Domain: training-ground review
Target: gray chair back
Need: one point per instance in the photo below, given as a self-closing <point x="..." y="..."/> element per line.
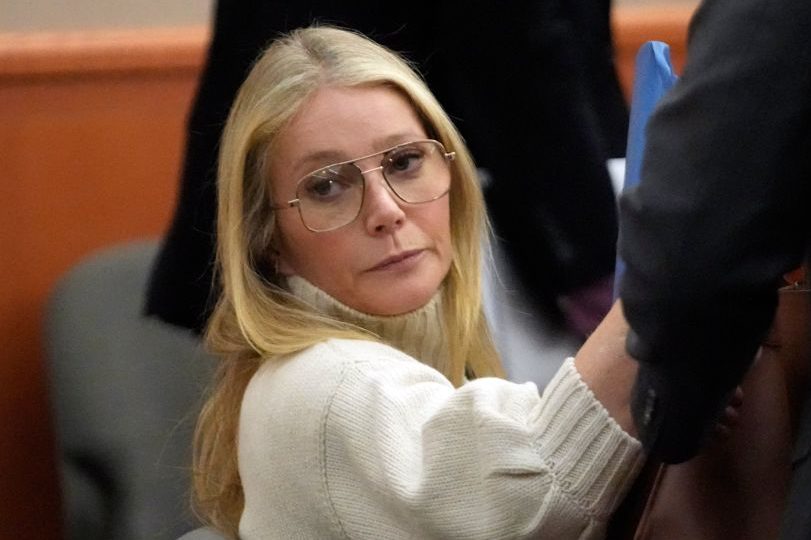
<point x="125" y="392"/>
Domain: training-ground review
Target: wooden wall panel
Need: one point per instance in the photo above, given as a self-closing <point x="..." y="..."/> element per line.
<point x="91" y="137"/>
<point x="91" y="134"/>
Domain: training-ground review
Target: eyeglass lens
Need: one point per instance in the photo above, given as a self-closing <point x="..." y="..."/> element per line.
<point x="333" y="196"/>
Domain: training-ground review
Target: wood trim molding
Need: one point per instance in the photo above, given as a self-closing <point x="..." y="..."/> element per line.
<point x="55" y="54"/>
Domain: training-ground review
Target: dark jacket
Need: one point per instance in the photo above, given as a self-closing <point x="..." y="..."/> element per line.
<point x="719" y="215"/>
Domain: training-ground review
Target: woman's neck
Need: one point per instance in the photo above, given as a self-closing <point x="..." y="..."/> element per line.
<point x="419" y="333"/>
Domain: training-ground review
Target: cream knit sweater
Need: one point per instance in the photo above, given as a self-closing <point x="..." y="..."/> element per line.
<point x="357" y="439"/>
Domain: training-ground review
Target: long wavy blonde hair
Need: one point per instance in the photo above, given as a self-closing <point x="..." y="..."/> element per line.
<point x="255" y="319"/>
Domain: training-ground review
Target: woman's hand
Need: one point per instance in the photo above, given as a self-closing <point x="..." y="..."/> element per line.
<point x="731" y="417"/>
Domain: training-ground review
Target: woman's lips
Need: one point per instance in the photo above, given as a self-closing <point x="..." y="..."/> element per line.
<point x="400" y="260"/>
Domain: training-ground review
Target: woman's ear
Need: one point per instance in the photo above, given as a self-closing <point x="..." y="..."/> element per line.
<point x="283" y="267"/>
<point x="276" y="255"/>
<point x="280" y="265"/>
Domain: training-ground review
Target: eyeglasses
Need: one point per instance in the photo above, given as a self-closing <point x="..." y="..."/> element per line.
<point x="332" y="196"/>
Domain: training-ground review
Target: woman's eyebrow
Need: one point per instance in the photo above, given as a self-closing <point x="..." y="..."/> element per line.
<point x="398" y="138"/>
<point x="320" y="158"/>
<point x="323" y="158"/>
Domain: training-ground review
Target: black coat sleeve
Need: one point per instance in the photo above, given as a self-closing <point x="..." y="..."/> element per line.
<point x="718" y="215"/>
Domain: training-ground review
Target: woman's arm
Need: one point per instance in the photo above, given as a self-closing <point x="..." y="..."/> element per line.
<point x="385" y="442"/>
<point x="607" y="369"/>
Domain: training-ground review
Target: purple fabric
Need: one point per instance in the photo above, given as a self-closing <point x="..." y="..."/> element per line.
<point x="584" y="308"/>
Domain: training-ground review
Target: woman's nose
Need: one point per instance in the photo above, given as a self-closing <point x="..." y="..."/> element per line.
<point x="382" y="211"/>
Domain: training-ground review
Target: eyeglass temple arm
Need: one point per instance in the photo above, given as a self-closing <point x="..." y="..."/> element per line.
<point x="286" y="206"/>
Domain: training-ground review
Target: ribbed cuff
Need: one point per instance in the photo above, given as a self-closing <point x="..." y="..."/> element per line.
<point x="592" y="459"/>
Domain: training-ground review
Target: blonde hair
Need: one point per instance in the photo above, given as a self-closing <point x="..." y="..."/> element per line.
<point x="255" y="318"/>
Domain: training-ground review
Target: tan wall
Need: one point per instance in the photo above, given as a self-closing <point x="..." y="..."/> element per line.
<point x="91" y="136"/>
<point x="50" y="15"/>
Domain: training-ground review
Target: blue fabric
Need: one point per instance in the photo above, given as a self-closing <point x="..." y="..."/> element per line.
<point x="653" y="77"/>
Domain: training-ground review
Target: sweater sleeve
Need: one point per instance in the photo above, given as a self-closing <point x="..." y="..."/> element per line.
<point x="407" y="455"/>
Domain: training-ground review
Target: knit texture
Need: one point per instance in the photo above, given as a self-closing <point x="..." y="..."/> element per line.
<point x="355" y="439"/>
<point x="418" y="333"/>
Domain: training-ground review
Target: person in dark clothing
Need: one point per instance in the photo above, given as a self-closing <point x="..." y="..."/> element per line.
<point x="554" y="113"/>
<point x="720" y="214"/>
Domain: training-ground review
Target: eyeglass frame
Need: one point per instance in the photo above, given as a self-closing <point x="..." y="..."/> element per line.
<point x="296" y="203"/>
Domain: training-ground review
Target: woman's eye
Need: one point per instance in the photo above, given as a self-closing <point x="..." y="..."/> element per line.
<point x="407" y="160"/>
<point x="325" y="185"/>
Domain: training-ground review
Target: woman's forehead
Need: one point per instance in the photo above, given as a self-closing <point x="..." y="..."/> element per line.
<point x="342" y="123"/>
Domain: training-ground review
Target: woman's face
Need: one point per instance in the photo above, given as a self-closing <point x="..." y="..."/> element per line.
<point x="393" y="257"/>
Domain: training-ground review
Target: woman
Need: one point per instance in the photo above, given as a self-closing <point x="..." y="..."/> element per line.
<point x="350" y="226"/>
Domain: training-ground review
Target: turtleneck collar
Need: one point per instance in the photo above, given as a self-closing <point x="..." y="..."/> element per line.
<point x="418" y="333"/>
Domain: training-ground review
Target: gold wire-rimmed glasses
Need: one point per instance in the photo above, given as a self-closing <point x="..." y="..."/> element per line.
<point x="332" y="196"/>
